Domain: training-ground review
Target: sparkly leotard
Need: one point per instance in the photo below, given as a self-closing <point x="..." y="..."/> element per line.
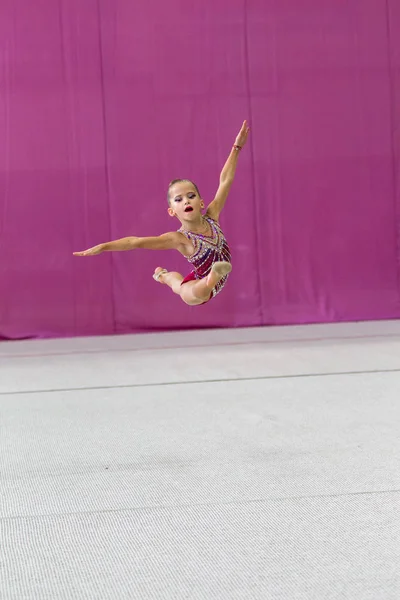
<point x="207" y="251"/>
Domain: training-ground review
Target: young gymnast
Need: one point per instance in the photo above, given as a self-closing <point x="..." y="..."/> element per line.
<point x="200" y="238"/>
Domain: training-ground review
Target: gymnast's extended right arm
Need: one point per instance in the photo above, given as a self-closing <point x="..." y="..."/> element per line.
<point x="167" y="241"/>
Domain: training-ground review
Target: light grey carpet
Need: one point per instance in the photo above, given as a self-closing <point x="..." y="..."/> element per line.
<point x="282" y="481"/>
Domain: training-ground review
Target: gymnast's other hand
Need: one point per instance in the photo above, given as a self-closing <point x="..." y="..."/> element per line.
<point x="241" y="137"/>
<point x="91" y="251"/>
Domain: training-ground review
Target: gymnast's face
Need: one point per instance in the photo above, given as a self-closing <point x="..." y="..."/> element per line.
<point x="184" y="201"/>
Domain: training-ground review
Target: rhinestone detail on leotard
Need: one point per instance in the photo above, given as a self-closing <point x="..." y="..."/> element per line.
<point x="207" y="251"/>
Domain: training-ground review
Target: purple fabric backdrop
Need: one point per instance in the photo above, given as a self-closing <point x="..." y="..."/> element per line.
<point x="103" y="102"/>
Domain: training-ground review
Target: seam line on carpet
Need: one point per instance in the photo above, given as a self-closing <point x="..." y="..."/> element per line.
<point x="199" y="381"/>
<point x="201" y="504"/>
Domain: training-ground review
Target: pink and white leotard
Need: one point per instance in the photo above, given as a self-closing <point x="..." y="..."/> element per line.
<point x="207" y="251"/>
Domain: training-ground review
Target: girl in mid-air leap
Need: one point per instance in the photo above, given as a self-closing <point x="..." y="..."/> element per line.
<point x="200" y="238"/>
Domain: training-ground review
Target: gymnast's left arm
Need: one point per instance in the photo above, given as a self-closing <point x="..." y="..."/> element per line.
<point x="228" y="174"/>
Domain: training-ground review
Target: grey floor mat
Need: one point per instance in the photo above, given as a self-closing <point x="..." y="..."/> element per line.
<point x="246" y="488"/>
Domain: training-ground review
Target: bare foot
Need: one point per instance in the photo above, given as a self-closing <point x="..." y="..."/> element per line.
<point x="158" y="274"/>
<point x="218" y="271"/>
<point x="222" y="268"/>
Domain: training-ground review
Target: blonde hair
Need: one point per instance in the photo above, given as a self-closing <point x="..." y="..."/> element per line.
<point x="174" y="181"/>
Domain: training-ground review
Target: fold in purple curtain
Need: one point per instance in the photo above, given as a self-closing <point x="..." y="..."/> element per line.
<point x="103" y="102"/>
